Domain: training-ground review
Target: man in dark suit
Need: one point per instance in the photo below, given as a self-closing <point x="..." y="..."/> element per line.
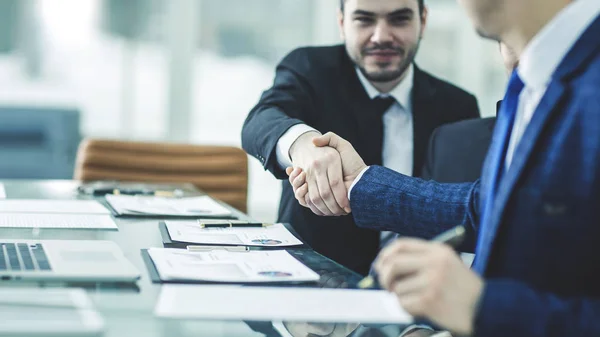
<point x="535" y="210"/>
<point x="370" y="92"/>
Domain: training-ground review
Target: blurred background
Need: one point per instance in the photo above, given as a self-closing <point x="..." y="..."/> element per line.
<point x="178" y="70"/>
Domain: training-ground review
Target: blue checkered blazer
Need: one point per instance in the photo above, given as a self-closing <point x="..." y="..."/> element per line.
<point x="542" y="257"/>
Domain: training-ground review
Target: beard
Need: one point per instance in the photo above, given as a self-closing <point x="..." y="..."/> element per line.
<point x="390" y="74"/>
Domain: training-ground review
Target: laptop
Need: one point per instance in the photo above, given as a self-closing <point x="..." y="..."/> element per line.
<point x="64" y="260"/>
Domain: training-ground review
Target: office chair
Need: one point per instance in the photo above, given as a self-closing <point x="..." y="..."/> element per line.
<point x="38" y="142"/>
<point x="220" y="171"/>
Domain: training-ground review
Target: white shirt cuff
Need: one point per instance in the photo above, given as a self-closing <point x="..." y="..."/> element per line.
<point x="285" y="143"/>
<point x="356" y="180"/>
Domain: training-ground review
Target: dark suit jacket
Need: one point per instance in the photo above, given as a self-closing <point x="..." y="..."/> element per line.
<point x="540" y="255"/>
<point x="319" y="86"/>
<point x="456" y="151"/>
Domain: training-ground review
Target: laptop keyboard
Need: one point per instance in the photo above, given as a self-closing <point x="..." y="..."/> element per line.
<point x="23" y="257"/>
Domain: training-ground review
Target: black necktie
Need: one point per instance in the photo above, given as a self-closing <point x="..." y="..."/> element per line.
<point x="382" y="104"/>
<point x="379" y="106"/>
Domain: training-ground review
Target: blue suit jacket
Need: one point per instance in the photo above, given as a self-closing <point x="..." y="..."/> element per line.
<point x="542" y="259"/>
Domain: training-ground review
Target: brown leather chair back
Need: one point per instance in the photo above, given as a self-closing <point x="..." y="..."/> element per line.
<point x="220" y="171"/>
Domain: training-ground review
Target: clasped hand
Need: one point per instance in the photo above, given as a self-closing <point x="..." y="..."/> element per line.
<point x="322" y="185"/>
<point x="429" y="278"/>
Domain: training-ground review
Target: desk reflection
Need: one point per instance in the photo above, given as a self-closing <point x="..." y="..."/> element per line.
<point x="335" y="280"/>
<point x="320" y="329"/>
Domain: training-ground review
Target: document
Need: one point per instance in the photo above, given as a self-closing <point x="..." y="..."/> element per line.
<point x="316" y="305"/>
<point x="272" y="236"/>
<point x="48" y="312"/>
<point x="203" y="206"/>
<point x="52" y="206"/>
<point x="220" y="265"/>
<point x="34" y="220"/>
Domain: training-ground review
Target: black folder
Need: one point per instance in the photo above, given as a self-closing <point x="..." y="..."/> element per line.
<point x="169" y="243"/>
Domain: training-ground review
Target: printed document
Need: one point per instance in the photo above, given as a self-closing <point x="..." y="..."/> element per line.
<point x="203" y="206"/>
<point x="317" y="305"/>
<point x="272" y="236"/>
<point x="76" y="221"/>
<point x="52" y="206"/>
<point x="220" y="265"/>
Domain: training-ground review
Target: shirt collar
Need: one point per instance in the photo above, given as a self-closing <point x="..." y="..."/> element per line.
<point x="401" y="93"/>
<point x="543" y="54"/>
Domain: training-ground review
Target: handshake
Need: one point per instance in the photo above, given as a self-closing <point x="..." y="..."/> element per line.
<point x="325" y="167"/>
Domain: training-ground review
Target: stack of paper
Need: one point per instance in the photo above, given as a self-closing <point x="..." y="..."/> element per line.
<point x="231" y="267"/>
<point x="203" y="206"/>
<point x="25" y="213"/>
<point x="219" y="302"/>
<point x="272" y="236"/>
<point x="52" y="206"/>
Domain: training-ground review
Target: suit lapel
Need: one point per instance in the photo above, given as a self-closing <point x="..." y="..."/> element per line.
<point x="528" y="142"/>
<point x="549" y="105"/>
<point x="424" y="117"/>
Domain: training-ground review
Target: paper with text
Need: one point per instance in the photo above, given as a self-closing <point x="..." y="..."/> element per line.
<point x="227" y="302"/>
<point x="224" y="266"/>
<point x="150" y="205"/>
<point x="271" y="236"/>
<point x="75" y="221"/>
<point x="52" y="206"/>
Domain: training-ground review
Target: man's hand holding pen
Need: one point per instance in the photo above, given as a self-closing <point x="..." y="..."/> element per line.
<point x="429" y="278"/>
<point x="431" y="281"/>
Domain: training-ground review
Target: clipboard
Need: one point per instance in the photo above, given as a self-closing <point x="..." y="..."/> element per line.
<point x="171" y="217"/>
<point x="155" y="277"/>
<point x="169" y="243"/>
<point x="333" y="275"/>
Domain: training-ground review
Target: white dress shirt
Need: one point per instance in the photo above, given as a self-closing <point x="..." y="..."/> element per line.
<point x="398" y="143"/>
<point x="541" y="58"/>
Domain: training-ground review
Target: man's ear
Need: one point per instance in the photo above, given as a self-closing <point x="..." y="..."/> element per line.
<point x="340" y="21"/>
<point x="423" y="21"/>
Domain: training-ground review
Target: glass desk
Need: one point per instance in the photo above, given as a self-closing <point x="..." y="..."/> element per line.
<point x="128" y="309"/>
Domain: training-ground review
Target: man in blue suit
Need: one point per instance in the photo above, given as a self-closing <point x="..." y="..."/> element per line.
<point x="535" y="213"/>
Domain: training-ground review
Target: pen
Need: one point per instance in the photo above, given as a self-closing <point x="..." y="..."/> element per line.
<point x="453" y="237"/>
<point x="229" y="224"/>
<point x="167" y="194"/>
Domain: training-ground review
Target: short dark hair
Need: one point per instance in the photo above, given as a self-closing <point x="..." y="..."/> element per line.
<point x="421" y="5"/>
